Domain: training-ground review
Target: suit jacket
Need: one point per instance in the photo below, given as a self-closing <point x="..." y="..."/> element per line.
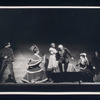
<point x="66" y="54"/>
<point x="7" y="52"/>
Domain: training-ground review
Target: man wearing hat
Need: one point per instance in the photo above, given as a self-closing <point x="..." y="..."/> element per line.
<point x="62" y="56"/>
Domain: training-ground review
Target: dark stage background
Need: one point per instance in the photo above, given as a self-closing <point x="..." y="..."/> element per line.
<point x="69" y="26"/>
<point x="76" y="29"/>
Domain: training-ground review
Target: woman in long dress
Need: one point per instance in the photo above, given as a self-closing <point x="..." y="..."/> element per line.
<point x="52" y="66"/>
<point x="35" y="72"/>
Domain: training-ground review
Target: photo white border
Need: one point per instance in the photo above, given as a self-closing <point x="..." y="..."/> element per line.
<point x="43" y="7"/>
<point x="49" y="93"/>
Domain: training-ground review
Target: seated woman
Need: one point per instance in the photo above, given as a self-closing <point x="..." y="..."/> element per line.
<point x="83" y="64"/>
<point x="35" y="72"/>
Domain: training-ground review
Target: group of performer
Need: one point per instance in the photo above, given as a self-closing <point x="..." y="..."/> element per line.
<point x="59" y="58"/>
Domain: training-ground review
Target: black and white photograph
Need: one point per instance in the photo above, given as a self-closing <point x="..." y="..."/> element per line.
<point x="46" y="48"/>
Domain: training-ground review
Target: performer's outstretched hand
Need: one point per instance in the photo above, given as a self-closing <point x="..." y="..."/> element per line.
<point x="94" y="67"/>
<point x="72" y="58"/>
<point x="6" y="57"/>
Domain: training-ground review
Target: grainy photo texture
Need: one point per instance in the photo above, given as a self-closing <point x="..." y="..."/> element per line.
<point x="49" y="46"/>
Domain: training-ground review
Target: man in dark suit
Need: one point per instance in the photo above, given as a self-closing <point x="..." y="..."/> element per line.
<point x="8" y="58"/>
<point x="62" y="56"/>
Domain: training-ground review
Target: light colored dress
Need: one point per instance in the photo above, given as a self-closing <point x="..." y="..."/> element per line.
<point x="35" y="73"/>
<point x="71" y="68"/>
<point x="53" y="64"/>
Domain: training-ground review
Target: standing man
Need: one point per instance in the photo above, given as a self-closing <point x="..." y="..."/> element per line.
<point x="96" y="63"/>
<point x="8" y="58"/>
<point x="96" y="66"/>
<point x="62" y="56"/>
